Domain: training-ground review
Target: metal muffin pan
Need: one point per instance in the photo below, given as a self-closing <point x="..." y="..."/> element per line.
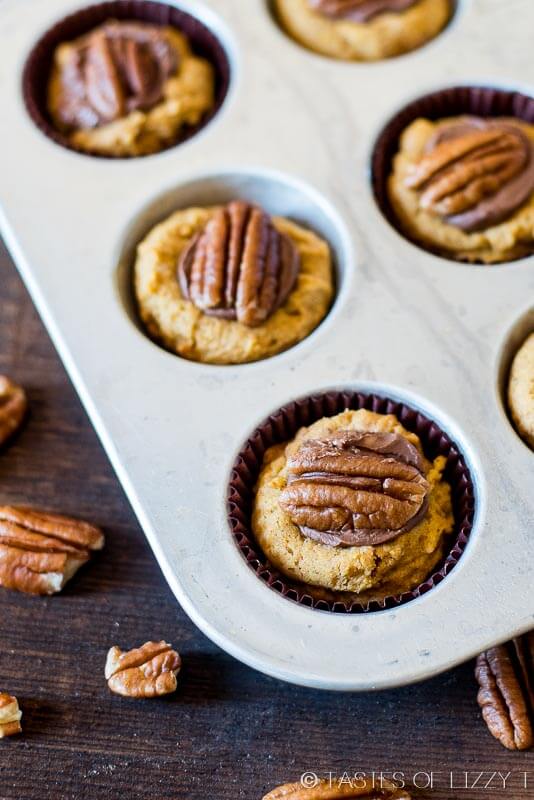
<point x="296" y="132"/>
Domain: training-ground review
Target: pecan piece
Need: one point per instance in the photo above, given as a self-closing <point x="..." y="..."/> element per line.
<point x="355" y="488"/>
<point x="333" y="789"/>
<point x="13" y="407"/>
<point x="358" y="10"/>
<point x="41" y="551"/>
<point x="239" y="266"/>
<point x="475" y="172"/>
<point x="506" y="695"/>
<point x="10" y="715"/>
<point x="147" y="671"/>
<point x="114" y="69"/>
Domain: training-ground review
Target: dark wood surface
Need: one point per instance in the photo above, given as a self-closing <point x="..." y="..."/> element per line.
<point x="228" y="732"/>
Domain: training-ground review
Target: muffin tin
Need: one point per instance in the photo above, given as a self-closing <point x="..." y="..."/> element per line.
<point x="295" y="133"/>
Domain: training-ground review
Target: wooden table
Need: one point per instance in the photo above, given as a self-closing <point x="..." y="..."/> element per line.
<point x="228" y="732"/>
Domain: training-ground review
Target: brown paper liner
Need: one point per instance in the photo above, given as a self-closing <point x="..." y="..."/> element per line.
<point x="475" y="100"/>
<point x="38" y="66"/>
<point x="282" y="427"/>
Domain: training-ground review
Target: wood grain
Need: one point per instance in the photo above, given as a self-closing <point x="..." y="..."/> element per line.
<point x="228" y="732"/>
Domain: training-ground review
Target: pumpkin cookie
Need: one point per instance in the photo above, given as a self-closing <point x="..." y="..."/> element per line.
<point x="351" y="504"/>
<point x="128" y="88"/>
<point x="362" y="30"/>
<point x="464" y="187"/>
<point x="229" y="285"/>
<point x="521" y="391"/>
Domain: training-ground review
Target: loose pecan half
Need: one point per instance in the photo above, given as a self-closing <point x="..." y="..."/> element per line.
<point x="40" y="551"/>
<point x="114" y="69"/>
<point x="239" y="266"/>
<point x="13" y="407"/>
<point x="355" y="488"/>
<point x="332" y="789"/>
<point x="10" y="715"/>
<point x="358" y="10"/>
<point x="475" y="172"/>
<point x="148" y="671"/>
<point x="506" y="695"/>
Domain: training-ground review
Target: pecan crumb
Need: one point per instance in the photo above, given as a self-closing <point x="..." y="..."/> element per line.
<point x="41" y="551"/>
<point x="13" y="407"/>
<point x="10" y="715"/>
<point x="147" y="671"/>
<point x="506" y="695"/>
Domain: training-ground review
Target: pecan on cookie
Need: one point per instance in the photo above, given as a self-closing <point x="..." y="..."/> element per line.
<point x="240" y="266"/>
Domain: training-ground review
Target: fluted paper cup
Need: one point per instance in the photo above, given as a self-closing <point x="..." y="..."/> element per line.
<point x="282" y="427"/>
<point x="480" y="101"/>
<point x="36" y="73"/>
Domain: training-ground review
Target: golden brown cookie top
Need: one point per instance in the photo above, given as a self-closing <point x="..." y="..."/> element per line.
<point x="475" y="172"/>
<point x="117" y="68"/>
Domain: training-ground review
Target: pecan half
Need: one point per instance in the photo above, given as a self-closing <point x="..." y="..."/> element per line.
<point x="40" y="551"/>
<point x="358" y="10"/>
<point x="475" y="172"/>
<point x="13" y="407"/>
<point x="148" y="671"/>
<point x="115" y="69"/>
<point x="506" y="696"/>
<point x="355" y="488"/>
<point x="332" y="789"/>
<point x="240" y="266"/>
<point x="10" y="715"/>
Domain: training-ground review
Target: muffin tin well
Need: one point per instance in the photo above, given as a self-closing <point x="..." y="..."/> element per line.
<point x="406" y="325"/>
<point x="277" y="193"/>
<point x="515" y="338"/>
<point x="38" y="66"/>
<point x="281" y="427"/>
<point x="452" y="101"/>
<point x="455" y="5"/>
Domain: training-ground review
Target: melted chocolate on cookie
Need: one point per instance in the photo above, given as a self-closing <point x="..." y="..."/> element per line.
<point x="475" y="172"/>
<point x="115" y="69"/>
<point x="359" y="10"/>
<point x="355" y="488"/>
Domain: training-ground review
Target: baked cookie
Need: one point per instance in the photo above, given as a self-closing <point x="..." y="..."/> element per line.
<point x="229" y="285"/>
<point x="464" y="187"/>
<point x="362" y="30"/>
<point x="521" y="391"/>
<point x="128" y="88"/>
<point x="352" y="505"/>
